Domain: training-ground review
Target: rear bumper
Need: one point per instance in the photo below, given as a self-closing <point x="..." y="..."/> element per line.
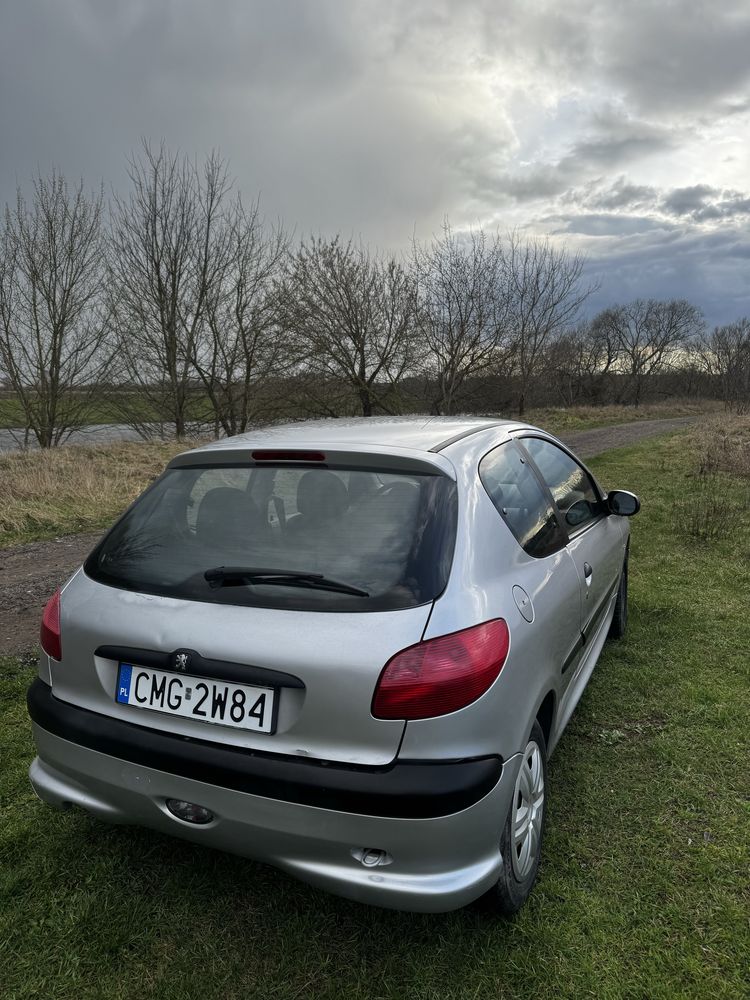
<point x="434" y="862"/>
<point x="403" y="789"/>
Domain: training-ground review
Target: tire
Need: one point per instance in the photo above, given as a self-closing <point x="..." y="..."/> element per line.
<point x="521" y="855"/>
<point x="620" y="617"/>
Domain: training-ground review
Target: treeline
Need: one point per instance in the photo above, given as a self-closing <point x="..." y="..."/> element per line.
<point x="181" y="307"/>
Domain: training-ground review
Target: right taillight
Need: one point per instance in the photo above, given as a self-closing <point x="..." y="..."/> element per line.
<point x="442" y="675"/>
<point x="49" y="634"/>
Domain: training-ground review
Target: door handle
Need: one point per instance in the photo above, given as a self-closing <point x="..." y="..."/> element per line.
<point x="588" y="572"/>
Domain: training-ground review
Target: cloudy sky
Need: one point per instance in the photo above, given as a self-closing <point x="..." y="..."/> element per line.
<point x="622" y="128"/>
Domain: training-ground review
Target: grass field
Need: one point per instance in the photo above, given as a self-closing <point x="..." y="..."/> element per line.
<point x="644" y="889"/>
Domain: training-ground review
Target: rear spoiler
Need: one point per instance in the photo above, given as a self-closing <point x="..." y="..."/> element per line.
<point x="366" y="457"/>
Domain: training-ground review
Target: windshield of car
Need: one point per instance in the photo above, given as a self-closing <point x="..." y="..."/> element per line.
<point x="384" y="539"/>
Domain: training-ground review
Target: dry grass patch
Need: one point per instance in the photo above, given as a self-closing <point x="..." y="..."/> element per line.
<point x="718" y="501"/>
<point x="724" y="445"/>
<point x="72" y="489"/>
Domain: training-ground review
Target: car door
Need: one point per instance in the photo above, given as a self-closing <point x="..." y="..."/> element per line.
<point x="595" y="540"/>
<point x="547" y="578"/>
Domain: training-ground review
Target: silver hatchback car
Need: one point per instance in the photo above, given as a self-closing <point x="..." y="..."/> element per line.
<point x="345" y="648"/>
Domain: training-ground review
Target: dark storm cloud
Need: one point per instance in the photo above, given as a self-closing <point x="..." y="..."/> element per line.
<point x="622" y="194"/>
<point x="660" y="243"/>
<point x="625" y="207"/>
<point x="684" y="201"/>
<point x="704" y="203"/>
<point x="710" y="269"/>
<point x="678" y="56"/>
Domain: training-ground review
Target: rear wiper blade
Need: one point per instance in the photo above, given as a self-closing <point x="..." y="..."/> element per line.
<point x="222" y="576"/>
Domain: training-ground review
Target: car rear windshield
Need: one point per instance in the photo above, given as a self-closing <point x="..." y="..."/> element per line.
<point x="387" y="534"/>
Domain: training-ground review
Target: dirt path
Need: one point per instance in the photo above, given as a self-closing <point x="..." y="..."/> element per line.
<point x="30" y="573"/>
<point x="594" y="442"/>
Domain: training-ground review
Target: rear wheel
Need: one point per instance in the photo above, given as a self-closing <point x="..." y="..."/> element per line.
<point x="620" y="617"/>
<point x="521" y="840"/>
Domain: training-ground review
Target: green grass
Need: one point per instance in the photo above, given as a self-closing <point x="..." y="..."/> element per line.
<point x="11" y="412"/>
<point x="98" y="411"/>
<point x="644" y="889"/>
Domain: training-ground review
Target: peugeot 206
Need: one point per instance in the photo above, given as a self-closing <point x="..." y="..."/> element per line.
<point x="346" y="648"/>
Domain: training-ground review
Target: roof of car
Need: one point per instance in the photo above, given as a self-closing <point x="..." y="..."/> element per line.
<point x="419" y="433"/>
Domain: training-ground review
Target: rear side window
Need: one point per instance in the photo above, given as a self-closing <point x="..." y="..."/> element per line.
<point x="568" y="482"/>
<point x="523" y="504"/>
<point x="388" y="534"/>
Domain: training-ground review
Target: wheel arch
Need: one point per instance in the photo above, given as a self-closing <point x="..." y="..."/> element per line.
<point x="545" y="715"/>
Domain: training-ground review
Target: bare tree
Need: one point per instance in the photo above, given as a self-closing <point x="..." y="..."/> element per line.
<point x="350" y="316"/>
<point x="725" y="353"/>
<point x="579" y="363"/>
<point x="52" y="328"/>
<point x="650" y="336"/>
<point x="463" y="307"/>
<point x="545" y="294"/>
<point x="168" y="252"/>
<point x="240" y="351"/>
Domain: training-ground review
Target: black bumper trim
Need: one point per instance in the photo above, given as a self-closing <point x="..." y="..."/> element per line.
<point x="404" y="789"/>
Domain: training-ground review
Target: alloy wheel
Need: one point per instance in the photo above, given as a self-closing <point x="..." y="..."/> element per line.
<point x="528" y="812"/>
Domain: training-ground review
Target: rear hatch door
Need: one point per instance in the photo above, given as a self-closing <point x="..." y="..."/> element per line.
<point x="337" y="657"/>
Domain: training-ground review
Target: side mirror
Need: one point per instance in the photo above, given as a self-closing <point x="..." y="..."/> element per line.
<point x="623" y="503"/>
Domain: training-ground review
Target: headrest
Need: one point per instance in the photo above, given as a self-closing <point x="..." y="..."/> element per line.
<point x="225" y="512"/>
<point x="321" y="494"/>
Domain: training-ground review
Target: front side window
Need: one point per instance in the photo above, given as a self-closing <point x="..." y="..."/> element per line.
<point x="516" y="493"/>
<point x="570" y="485"/>
<point x="329" y="539"/>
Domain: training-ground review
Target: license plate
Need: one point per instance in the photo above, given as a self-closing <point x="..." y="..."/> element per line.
<point x="220" y="702"/>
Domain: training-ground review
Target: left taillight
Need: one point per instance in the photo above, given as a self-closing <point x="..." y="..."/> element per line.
<point x="49" y="634"/>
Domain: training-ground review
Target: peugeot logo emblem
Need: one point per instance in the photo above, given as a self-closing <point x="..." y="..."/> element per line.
<point x="181" y="661"/>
